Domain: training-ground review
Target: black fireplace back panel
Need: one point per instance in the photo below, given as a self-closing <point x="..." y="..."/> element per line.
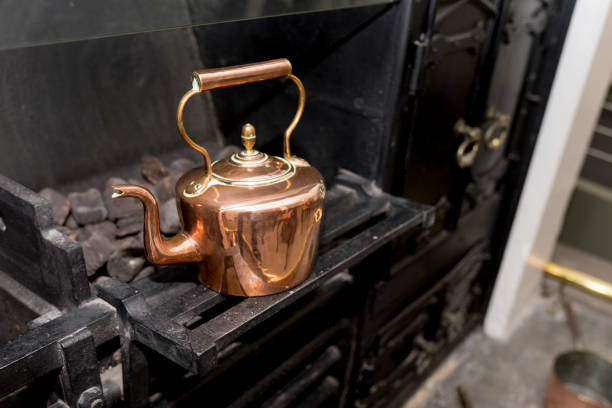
<point x="350" y="63"/>
<point x="70" y="111"/>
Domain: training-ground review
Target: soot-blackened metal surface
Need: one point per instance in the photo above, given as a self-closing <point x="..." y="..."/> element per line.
<point x="36" y="353"/>
<point x="36" y="254"/>
<point x="427" y="329"/>
<point x="351" y="89"/>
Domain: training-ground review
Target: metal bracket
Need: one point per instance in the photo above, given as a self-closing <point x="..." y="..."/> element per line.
<point x="79" y="377"/>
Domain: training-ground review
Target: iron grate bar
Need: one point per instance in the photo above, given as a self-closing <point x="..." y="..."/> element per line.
<point x="191" y="302"/>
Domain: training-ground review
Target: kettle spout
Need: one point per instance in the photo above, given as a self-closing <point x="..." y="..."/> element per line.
<point x="158" y="249"/>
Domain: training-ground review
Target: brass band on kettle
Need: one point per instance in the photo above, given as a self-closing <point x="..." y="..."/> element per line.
<point x="208" y="79"/>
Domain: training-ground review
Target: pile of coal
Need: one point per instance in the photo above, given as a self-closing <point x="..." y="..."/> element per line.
<point x="110" y="230"/>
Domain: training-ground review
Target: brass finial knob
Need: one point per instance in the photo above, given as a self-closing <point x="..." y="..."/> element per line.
<point x="248" y="137"/>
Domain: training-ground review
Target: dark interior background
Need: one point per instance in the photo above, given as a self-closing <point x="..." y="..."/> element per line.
<point x="86" y="107"/>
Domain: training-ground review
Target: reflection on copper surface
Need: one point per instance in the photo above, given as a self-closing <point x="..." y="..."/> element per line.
<point x="258" y="240"/>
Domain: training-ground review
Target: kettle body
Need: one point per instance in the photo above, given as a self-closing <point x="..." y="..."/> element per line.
<point x="255" y="240"/>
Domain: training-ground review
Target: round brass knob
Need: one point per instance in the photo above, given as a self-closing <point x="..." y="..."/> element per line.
<point x="248" y="137"/>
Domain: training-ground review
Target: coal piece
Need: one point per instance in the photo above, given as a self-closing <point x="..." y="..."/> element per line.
<point x="181" y="165"/>
<point x="134" y="244"/>
<point x="88" y="207"/>
<point x="169" y="222"/>
<point x="71" y="223"/>
<point x="60" y="205"/>
<point x="153" y="170"/>
<point x="148" y="270"/>
<point x="129" y="225"/>
<point x="176" y="171"/>
<point x="124" y="266"/>
<point x="82" y="235"/>
<point x="97" y="249"/>
<point x="164" y="190"/>
<point x="106" y="228"/>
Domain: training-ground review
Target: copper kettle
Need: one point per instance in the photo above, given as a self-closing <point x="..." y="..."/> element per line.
<point x="251" y="221"/>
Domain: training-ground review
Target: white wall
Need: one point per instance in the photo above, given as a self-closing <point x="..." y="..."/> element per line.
<point x="579" y="88"/>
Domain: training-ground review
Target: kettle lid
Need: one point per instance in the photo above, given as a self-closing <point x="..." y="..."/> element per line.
<point x="250" y="167"/>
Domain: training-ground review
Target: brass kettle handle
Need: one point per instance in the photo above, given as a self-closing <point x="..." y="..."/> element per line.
<point x="208" y="79"/>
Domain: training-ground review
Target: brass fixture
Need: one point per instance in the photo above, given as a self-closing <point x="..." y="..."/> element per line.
<point x="495" y="129"/>
<point x="497" y="132"/>
<point x="468" y="149"/>
<point x="577" y="278"/>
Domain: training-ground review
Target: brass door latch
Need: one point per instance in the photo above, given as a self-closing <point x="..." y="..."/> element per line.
<point x="468" y="149"/>
<point x="497" y="132"/>
<point x="495" y="129"/>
